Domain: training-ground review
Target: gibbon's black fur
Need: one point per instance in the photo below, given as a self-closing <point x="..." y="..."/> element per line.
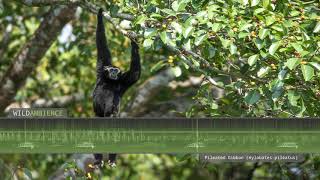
<point x="111" y="82"/>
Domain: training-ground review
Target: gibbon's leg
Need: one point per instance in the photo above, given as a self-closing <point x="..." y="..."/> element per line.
<point x="98" y="160"/>
<point x="112" y="160"/>
<point x="104" y="56"/>
<point x="132" y="76"/>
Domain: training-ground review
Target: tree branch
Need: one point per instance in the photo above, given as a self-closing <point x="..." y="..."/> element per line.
<point x="184" y="52"/>
<point x="94" y="9"/>
<point x="147" y="90"/>
<point x="46" y="2"/>
<point x="82" y="3"/>
<point x="61" y="101"/>
<point x="28" y="57"/>
<point x="56" y="102"/>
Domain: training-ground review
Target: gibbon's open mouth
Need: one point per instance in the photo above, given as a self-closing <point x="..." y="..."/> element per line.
<point x="114" y="76"/>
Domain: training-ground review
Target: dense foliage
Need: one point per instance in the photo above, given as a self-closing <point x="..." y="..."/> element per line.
<point x="269" y="49"/>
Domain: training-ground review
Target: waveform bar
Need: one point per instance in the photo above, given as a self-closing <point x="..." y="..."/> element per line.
<point x="159" y="135"/>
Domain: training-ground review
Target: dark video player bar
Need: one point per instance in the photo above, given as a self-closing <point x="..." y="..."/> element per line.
<point x="159" y="135"/>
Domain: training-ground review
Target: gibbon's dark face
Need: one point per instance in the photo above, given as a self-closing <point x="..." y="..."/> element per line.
<point x="112" y="73"/>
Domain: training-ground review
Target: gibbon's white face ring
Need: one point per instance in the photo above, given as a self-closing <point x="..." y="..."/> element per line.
<point x="113" y="72"/>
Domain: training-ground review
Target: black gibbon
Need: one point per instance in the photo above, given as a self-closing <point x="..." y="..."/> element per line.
<point x="111" y="83"/>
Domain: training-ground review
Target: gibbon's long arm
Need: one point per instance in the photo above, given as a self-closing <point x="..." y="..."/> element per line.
<point x="132" y="76"/>
<point x="104" y="56"/>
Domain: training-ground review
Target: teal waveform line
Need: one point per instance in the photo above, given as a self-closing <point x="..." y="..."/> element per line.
<point x="159" y="135"/>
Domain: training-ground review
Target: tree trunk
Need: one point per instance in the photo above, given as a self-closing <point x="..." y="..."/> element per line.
<point x="29" y="56"/>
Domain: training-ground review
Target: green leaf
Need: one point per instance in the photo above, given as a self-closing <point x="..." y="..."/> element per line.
<point x="307" y="72"/>
<point x="156" y="16"/>
<point x="147" y="43"/>
<point x="288" y="23"/>
<point x="163" y="37"/>
<point x="270" y="20"/>
<point x="245" y="27"/>
<point x="315" y="65"/>
<point x="254" y="2"/>
<point x="1" y="7"/>
<point x="305" y="36"/>
<point x="157" y="66"/>
<point x="317" y="28"/>
<point x="114" y="10"/>
<point x="233" y="48"/>
<point x="125" y="24"/>
<point x="189" y="22"/>
<point x="216" y="27"/>
<point x="177" y="27"/>
<point x="198" y="4"/>
<point x="292" y="63"/>
<point x="179" y="5"/>
<point x="274" y="47"/>
<point x="141" y="19"/>
<point x="253" y="59"/>
<point x="187" y="31"/>
<point x="209" y="51"/>
<point x="297" y="47"/>
<point x="187" y="45"/>
<point x="294" y="13"/>
<point x="201" y="14"/>
<point x="243" y="34"/>
<point x="265" y="3"/>
<point x="263" y="33"/>
<point x="185" y="65"/>
<point x="303" y="108"/>
<point x="259" y="43"/>
<point x="175" y="6"/>
<point x="225" y="42"/>
<point x="200" y="39"/>
<point x="195" y="62"/>
<point x="177" y="71"/>
<point x="263" y="71"/>
<point x="277" y="27"/>
<point x="149" y="32"/>
<point x="214" y="105"/>
<point x="276" y="94"/>
<point x="169" y="12"/>
<point x="263" y="54"/>
<point x="258" y="11"/>
<point x="252" y="97"/>
<point x="244" y="2"/>
<point x="293" y="97"/>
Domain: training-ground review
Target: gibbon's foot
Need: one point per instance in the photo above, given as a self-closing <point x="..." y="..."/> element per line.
<point x="112" y="164"/>
<point x="99" y="164"/>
